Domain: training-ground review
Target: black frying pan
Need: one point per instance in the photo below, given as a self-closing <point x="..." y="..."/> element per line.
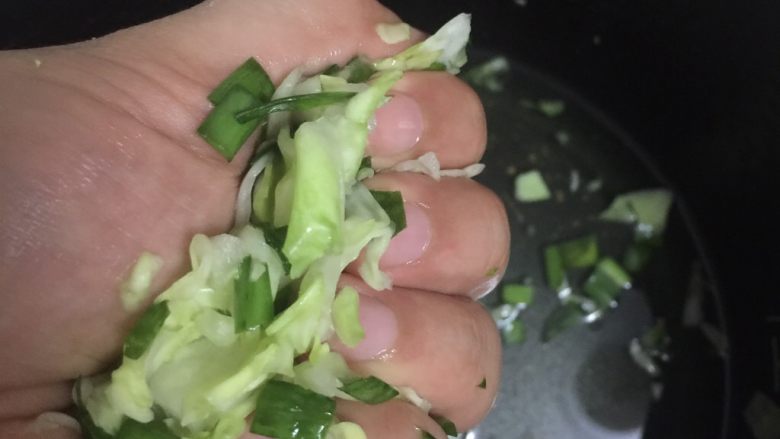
<point x="694" y="86"/>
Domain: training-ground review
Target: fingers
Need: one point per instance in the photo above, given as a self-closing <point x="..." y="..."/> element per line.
<point x="457" y="236"/>
<point x="49" y="425"/>
<point x="429" y="112"/>
<point x="391" y="420"/>
<point x="440" y="346"/>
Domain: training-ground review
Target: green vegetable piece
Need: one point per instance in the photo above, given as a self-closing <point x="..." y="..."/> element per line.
<point x="516" y="294"/>
<point x="284" y="298"/>
<point x="562" y="319"/>
<point x="393" y="205"/>
<point x="304" y="102"/>
<point x="145" y="329"/>
<point x="448" y="426"/>
<point x="346" y="317"/>
<point x="274" y="237"/>
<point x="551" y="107"/>
<point x="220" y="128"/>
<point x="370" y="390"/>
<point x="638" y="254"/>
<point x="358" y="70"/>
<point x="425" y="435"/>
<point x="132" y="429"/>
<point x="554" y="268"/>
<point x="365" y="163"/>
<point x="264" y="194"/>
<point x="530" y="187"/>
<point x="437" y="67"/>
<point x="88" y="426"/>
<point x="251" y="76"/>
<point x="253" y="306"/>
<point x="514" y="333"/>
<point x="332" y="70"/>
<point x="606" y="282"/>
<point x="579" y="253"/>
<point x="648" y="210"/>
<point x="483" y="384"/>
<point x="288" y="411"/>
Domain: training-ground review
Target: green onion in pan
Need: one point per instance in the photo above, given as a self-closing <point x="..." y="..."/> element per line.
<point x="393" y="205"/>
<point x="370" y="390"/>
<point x="579" y="253"/>
<point x="638" y="254"/>
<point x="516" y="294"/>
<point x="220" y="128"/>
<point x="144" y="331"/>
<point x="448" y="426"/>
<point x="606" y="282"/>
<point x="303" y="102"/>
<point x="253" y="306"/>
<point x="554" y="268"/>
<point x="288" y="411"/>
<point x="251" y="76"/>
<point x="132" y="429"/>
<point x="563" y="318"/>
<point x="483" y="384"/>
<point x="514" y="332"/>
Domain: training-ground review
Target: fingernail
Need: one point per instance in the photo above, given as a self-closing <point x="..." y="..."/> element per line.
<point x="54" y="421"/>
<point x="409" y="245"/>
<point x="398" y="126"/>
<point x="381" y="329"/>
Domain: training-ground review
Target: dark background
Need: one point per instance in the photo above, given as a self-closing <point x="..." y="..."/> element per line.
<point x="697" y="83"/>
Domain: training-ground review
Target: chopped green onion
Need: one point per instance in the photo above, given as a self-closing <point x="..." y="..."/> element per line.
<point x="561" y="319"/>
<point x="346" y="317"/>
<point x="358" y="70"/>
<point x="274" y="237"/>
<point x="606" y="282"/>
<point x="579" y="253"/>
<point x="425" y="435"/>
<point x="393" y="205"/>
<point x="284" y="298"/>
<point x="291" y="103"/>
<point x="437" y="67"/>
<point x="483" y="384"/>
<point x="638" y="254"/>
<point x="370" y="390"/>
<point x="88" y="426"/>
<point x="554" y="268"/>
<point x="648" y="210"/>
<point x="251" y="76"/>
<point x="288" y="411"/>
<point x="264" y="194"/>
<point x="145" y="329"/>
<point x="132" y="429"/>
<point x="551" y="107"/>
<point x="220" y="128"/>
<point x="332" y="70"/>
<point x="253" y="306"/>
<point x="448" y="426"/>
<point x="530" y="187"/>
<point x="517" y="294"/>
<point x="514" y="332"/>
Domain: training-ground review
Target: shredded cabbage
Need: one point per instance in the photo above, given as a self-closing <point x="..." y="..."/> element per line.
<point x="428" y="164"/>
<point x="135" y="289"/>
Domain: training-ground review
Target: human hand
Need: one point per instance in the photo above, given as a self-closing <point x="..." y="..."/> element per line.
<point x="101" y="161"/>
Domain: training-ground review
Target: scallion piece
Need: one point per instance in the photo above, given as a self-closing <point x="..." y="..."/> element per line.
<point x="284" y="298"/>
<point x="554" y="268"/>
<point x="365" y="163"/>
<point x="288" y="411"/>
<point x="448" y="426"/>
<point x="253" y="306"/>
<point x="145" y="329"/>
<point x="258" y="113"/>
<point x="483" y="384"/>
<point x="436" y="67"/>
<point x="638" y="254"/>
<point x="530" y="187"/>
<point x="517" y="294"/>
<point x="561" y="319"/>
<point x="132" y="429"/>
<point x="370" y="390"/>
<point x="220" y="128"/>
<point x="606" y="282"/>
<point x="358" y="70"/>
<point x="579" y="253"/>
<point x="274" y="237"/>
<point x="251" y="76"/>
<point x="514" y="332"/>
<point x="425" y="435"/>
<point x="393" y="205"/>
